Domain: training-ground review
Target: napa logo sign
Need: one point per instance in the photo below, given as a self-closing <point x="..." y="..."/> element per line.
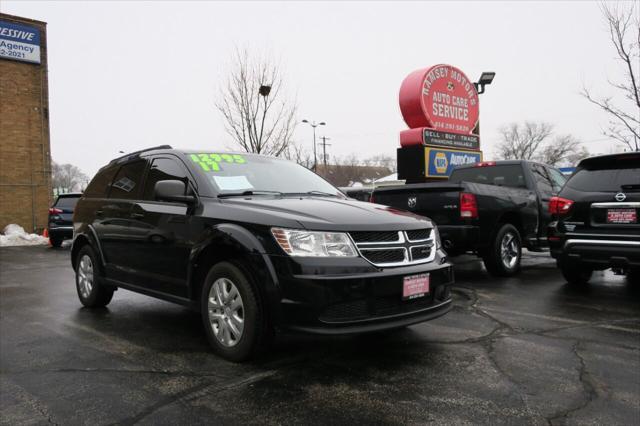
<point x="19" y="42"/>
<point x="441" y="162"/>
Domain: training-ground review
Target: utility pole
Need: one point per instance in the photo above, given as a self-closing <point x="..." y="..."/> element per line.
<point x="324" y="150"/>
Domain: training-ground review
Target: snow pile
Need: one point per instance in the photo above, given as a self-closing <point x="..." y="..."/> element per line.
<point x="15" y="235"/>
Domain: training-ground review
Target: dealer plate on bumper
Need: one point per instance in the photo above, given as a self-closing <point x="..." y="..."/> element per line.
<point x="622" y="216"/>
<point x="415" y="286"/>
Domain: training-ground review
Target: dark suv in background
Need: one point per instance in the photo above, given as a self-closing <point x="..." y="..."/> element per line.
<point x="60" y="225"/>
<point x="596" y="218"/>
<point x="254" y="243"/>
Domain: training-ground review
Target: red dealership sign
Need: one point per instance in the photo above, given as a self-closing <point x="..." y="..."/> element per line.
<point x="440" y="97"/>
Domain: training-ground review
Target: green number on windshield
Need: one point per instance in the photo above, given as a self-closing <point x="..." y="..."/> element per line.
<point x="210" y="162"/>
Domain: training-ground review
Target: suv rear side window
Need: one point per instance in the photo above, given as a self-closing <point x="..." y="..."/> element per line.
<point x="99" y="185"/>
<point x="126" y="184"/>
<point x="604" y="180"/>
<point x="163" y="169"/>
<point x="508" y="175"/>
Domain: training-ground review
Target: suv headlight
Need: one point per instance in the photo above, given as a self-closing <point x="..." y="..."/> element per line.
<point x="297" y="242"/>
<point x="436" y="237"/>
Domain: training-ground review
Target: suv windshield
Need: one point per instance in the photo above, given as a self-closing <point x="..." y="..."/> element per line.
<point x="604" y="180"/>
<point x="232" y="174"/>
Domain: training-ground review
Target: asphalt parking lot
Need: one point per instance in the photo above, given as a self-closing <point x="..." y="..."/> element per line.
<point x="526" y="350"/>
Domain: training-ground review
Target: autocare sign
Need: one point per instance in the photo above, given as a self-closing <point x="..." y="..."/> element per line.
<point x="440" y="97"/>
<point x="19" y="42"/>
<point x="440" y="162"/>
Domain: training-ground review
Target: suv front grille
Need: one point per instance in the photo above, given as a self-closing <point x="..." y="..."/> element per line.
<point x="372" y="237"/>
<point x="392" y="255"/>
<point x="418" y="235"/>
<point x="382" y="306"/>
<point x="396" y="248"/>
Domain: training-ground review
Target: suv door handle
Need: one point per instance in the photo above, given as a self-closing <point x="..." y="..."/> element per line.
<point x="99" y="213"/>
<point x="137" y="215"/>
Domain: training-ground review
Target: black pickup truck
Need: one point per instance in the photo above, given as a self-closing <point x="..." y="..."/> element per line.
<point x="491" y="208"/>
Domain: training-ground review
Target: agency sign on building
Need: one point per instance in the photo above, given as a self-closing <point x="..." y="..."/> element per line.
<point x="19" y="42"/>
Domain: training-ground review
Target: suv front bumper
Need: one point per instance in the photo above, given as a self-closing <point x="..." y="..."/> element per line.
<point x="362" y="301"/>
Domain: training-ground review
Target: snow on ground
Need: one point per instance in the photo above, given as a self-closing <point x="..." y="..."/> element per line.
<point x="15" y="235"/>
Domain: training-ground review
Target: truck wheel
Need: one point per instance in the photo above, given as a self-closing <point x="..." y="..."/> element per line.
<point x="575" y="273"/>
<point x="503" y="257"/>
<point x="232" y="313"/>
<point x="91" y="293"/>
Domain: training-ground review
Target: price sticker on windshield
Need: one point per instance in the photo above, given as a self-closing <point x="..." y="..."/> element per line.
<point x="211" y="162"/>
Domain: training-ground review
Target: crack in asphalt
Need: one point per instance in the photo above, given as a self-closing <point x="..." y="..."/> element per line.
<point x="191" y="393"/>
<point x="203" y="389"/>
<point x="503" y="329"/>
<point x="589" y="390"/>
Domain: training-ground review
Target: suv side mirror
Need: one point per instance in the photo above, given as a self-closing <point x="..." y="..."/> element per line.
<point x="172" y="190"/>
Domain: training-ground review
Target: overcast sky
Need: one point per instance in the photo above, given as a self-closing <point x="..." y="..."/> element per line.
<point x="124" y="76"/>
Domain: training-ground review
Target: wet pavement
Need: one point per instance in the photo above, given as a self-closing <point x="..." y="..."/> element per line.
<point x="525" y="350"/>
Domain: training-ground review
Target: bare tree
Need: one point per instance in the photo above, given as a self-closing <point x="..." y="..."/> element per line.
<point x="260" y="121"/>
<point x="562" y="148"/>
<point x="624" y="114"/>
<point x="522" y="142"/>
<point x="67" y="177"/>
<point x="295" y="152"/>
<point x="535" y="141"/>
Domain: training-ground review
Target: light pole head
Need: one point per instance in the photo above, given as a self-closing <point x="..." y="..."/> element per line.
<point x="322" y="123"/>
<point x="485" y="78"/>
<point x="305" y="121"/>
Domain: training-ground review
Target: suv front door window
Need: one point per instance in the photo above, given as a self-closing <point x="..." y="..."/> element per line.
<point x="161" y="236"/>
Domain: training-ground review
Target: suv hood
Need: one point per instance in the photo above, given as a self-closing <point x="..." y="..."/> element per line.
<point x="319" y="213"/>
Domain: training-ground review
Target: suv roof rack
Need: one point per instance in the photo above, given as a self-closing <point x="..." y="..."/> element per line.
<point x="135" y="154"/>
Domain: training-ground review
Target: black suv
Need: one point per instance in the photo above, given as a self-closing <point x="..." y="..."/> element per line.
<point x="254" y="244"/>
<point x="60" y="225"/>
<point x="596" y="216"/>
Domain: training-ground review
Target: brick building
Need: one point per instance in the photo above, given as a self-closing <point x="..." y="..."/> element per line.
<point x="25" y="155"/>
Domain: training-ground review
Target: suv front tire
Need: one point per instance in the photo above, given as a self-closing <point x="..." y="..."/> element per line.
<point x="232" y="313"/>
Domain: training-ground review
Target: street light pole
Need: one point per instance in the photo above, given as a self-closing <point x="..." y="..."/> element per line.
<point x="313" y="124"/>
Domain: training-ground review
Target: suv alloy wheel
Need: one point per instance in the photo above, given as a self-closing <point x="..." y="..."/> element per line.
<point x="232" y="313"/>
<point x="91" y="293"/>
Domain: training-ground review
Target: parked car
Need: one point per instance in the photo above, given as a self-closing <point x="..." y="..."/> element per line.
<point x="596" y="223"/>
<point x="60" y="225"/>
<point x="254" y="250"/>
<point x="492" y="208"/>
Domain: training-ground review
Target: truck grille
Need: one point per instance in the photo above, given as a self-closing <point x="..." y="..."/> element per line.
<point x="396" y="248"/>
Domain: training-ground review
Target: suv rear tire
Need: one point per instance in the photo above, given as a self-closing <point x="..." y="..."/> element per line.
<point x="503" y="257"/>
<point x="91" y="292"/>
<point x="233" y="315"/>
<point x="55" y="241"/>
<point x="575" y="273"/>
